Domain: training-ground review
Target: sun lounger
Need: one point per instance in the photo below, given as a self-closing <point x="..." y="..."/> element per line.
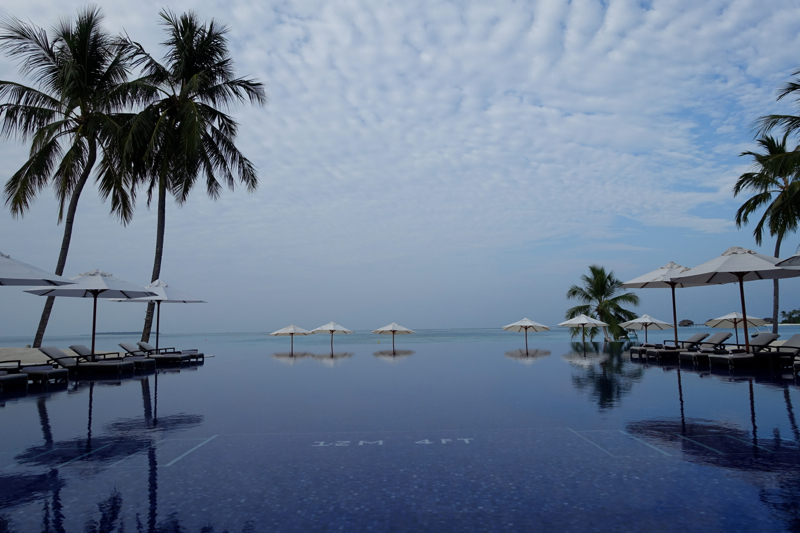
<point x="12" y="381"/>
<point x="738" y="354"/>
<point x="786" y="353"/>
<point x="151" y="350"/>
<point x="160" y="359"/>
<point x="140" y="362"/>
<point x="37" y="374"/>
<point x="671" y="350"/>
<point x="76" y="365"/>
<point x="699" y="355"/>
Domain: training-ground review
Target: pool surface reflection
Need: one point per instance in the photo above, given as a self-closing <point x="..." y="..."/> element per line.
<point x="463" y="434"/>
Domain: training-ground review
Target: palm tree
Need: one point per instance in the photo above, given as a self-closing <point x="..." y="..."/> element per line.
<point x="602" y="300"/>
<point x="71" y="117"/>
<point x="182" y="134"/>
<point x="776" y="189"/>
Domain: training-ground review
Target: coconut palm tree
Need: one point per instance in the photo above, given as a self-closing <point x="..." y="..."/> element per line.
<point x="71" y="116"/>
<point x="776" y="189"/>
<point x="602" y="299"/>
<point x="184" y="133"/>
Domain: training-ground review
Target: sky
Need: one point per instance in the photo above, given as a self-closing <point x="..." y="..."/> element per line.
<point x="441" y="164"/>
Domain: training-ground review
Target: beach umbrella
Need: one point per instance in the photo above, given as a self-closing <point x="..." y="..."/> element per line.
<point x="163" y="294"/>
<point x="524" y="325"/>
<point x="332" y="328"/>
<point x="736" y="265"/>
<point x="646" y="322"/>
<point x="735" y="321"/>
<point x="13" y="272"/>
<point x="291" y="331"/>
<point x="393" y="329"/>
<point x="91" y="285"/>
<point x="581" y="321"/>
<point x="661" y="278"/>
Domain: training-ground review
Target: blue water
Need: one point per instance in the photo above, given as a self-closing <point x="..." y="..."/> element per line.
<point x="459" y="430"/>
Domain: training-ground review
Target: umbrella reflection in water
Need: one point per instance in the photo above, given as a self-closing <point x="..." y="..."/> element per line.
<point x="331" y="359"/>
<point x="393" y="356"/>
<point x="290" y="358"/>
<point x="526" y="356"/>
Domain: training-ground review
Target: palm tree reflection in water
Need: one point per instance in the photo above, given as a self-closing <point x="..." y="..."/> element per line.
<point x="603" y="372"/>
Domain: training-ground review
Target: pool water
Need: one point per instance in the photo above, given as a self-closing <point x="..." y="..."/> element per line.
<point x="455" y="431"/>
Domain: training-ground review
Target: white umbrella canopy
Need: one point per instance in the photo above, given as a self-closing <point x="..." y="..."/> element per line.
<point x="735" y="321"/>
<point x="332" y="328"/>
<point x="91" y="285"/>
<point x="524" y="325"/>
<point x="162" y="294"/>
<point x="393" y="329"/>
<point x="661" y="278"/>
<point x="790" y="262"/>
<point x="581" y="321"/>
<point x="736" y="264"/>
<point x="13" y="272"/>
<point x="646" y="322"/>
<point x="291" y="331"/>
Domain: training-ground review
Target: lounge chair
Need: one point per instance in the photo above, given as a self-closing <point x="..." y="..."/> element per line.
<point x="699" y="355"/>
<point x="739" y="355"/>
<point x="140" y="362"/>
<point x="76" y="364"/>
<point x="12" y="381"/>
<point x="786" y="353"/>
<point x="160" y="359"/>
<point x="668" y="350"/>
<point x="151" y="350"/>
<point x="37" y="374"/>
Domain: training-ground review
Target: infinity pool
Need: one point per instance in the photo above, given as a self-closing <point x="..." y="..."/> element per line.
<point x="456" y="431"/>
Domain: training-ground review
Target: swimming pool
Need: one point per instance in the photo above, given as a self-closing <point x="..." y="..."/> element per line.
<point x="459" y="431"/>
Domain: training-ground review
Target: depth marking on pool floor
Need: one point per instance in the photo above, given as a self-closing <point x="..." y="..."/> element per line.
<point x="615" y="443"/>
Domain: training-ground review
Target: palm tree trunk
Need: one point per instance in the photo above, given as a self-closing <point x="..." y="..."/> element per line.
<point x="162" y="213"/>
<point x="775" y="289"/>
<point x="68" y="224"/>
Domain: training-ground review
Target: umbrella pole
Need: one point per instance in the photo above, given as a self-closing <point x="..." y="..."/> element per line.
<point x="736" y="330"/>
<point x="583" y="336"/>
<point x="645" y="333"/>
<point x="393" y="342"/>
<point x="753" y="414"/>
<point x="680" y="397"/>
<point x="291" y="336"/>
<point x="331" y="343"/>
<point x="674" y="314"/>
<point x="526" y="341"/>
<point x="94" y="322"/>
<point x="158" y="321"/>
<point x="744" y="312"/>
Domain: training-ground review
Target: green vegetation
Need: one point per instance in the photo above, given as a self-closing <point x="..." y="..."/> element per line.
<point x="71" y="116"/>
<point x="776" y="189"/>
<point x="602" y="299"/>
<point x="83" y="115"/>
<point x="182" y="133"/>
<point x="792" y="317"/>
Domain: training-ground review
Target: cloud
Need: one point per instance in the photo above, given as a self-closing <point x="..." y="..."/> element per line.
<point x="430" y="140"/>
